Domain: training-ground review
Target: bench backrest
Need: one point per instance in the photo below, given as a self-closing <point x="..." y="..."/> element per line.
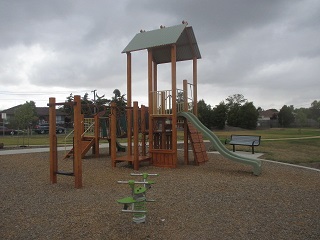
<point x="245" y="139"/>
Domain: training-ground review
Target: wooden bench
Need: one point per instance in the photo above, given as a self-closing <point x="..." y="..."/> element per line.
<point x="245" y="140"/>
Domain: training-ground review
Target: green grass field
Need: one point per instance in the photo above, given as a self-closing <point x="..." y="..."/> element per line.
<point x="286" y="145"/>
<point x="290" y="145"/>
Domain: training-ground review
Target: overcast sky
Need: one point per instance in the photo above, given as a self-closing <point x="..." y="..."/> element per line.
<point x="266" y="50"/>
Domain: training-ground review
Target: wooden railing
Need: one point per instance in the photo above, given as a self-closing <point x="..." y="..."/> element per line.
<point x="162" y="100"/>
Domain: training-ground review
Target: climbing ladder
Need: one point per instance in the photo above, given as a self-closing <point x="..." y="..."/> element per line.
<point x="198" y="147"/>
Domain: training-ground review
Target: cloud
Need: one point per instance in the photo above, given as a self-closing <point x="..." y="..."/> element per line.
<point x="266" y="50"/>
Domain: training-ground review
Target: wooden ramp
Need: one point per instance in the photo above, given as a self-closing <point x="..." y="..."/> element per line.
<point x="86" y="144"/>
<point x="198" y="147"/>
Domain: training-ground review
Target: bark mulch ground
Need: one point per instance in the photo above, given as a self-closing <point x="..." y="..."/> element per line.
<point x="218" y="200"/>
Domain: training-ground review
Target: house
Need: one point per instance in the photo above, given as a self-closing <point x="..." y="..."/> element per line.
<point x="268" y="114"/>
<point x="42" y="112"/>
<point x="268" y="119"/>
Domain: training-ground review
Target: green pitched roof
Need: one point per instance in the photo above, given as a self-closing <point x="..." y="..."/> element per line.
<point x="160" y="41"/>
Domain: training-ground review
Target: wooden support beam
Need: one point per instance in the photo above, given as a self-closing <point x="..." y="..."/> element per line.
<point x="96" y="135"/>
<point x="174" y="102"/>
<point x="150" y="99"/>
<point x="135" y="136"/>
<point x="195" y="86"/>
<point x="155" y="76"/>
<point x="185" y="124"/>
<point x="77" y="142"/>
<point x="185" y="95"/>
<point x="129" y="130"/>
<point x="143" y="129"/>
<point x="129" y="80"/>
<point x="113" y="133"/>
<point x="53" y="141"/>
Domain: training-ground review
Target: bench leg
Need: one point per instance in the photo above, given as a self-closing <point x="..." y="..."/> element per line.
<point x="234" y="148"/>
<point x="252" y="149"/>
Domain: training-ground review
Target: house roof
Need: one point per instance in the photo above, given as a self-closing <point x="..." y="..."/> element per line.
<point x="41" y="111"/>
<point x="160" y="41"/>
<point x="268" y="113"/>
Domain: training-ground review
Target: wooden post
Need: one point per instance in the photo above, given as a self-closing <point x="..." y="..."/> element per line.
<point x="155" y="76"/>
<point x="78" y="128"/>
<point x="185" y="95"/>
<point x="185" y="124"/>
<point x="135" y="136"/>
<point x="53" y="141"/>
<point x="163" y="102"/>
<point x="129" y="129"/>
<point x="129" y="80"/>
<point x="113" y="133"/>
<point x="96" y="135"/>
<point x="174" y="101"/>
<point x="129" y="103"/>
<point x="143" y="129"/>
<point x="150" y="100"/>
<point x="195" y="86"/>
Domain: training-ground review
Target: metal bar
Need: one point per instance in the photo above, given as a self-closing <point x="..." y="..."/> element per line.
<point x="133" y="211"/>
<point x="136" y="182"/>
<point x="65" y="173"/>
<point x="141" y="174"/>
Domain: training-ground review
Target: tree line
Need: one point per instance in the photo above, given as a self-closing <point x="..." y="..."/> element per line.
<point x="26" y="117"/>
<point x="235" y="111"/>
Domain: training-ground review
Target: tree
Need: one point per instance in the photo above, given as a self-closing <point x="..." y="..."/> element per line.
<point x="25" y="115"/>
<point x="119" y="99"/>
<point x="101" y="102"/>
<point x="233" y="116"/>
<point x="87" y="107"/>
<point x="241" y="113"/>
<point x="315" y="110"/>
<point x="233" y="104"/>
<point x="68" y="108"/>
<point x="220" y="115"/>
<point x="248" y="116"/>
<point x="285" y="116"/>
<point x="205" y="114"/>
<point x="301" y="118"/>
<point x="235" y="100"/>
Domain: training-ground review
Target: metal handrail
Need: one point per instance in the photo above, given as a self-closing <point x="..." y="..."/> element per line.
<point x="87" y="130"/>
<point x="65" y="141"/>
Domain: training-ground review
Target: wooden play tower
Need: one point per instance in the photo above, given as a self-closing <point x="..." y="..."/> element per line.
<point x="165" y="45"/>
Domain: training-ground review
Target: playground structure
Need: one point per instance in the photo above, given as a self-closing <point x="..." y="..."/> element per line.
<point x="136" y="203"/>
<point x="171" y="45"/>
<point x="86" y="135"/>
<point x="77" y="160"/>
<point x="151" y="131"/>
<point x="165" y="45"/>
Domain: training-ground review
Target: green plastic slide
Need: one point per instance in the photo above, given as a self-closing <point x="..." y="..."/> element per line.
<point x="215" y="141"/>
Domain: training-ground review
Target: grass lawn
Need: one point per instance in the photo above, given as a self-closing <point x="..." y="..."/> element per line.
<point x="290" y="145"/>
